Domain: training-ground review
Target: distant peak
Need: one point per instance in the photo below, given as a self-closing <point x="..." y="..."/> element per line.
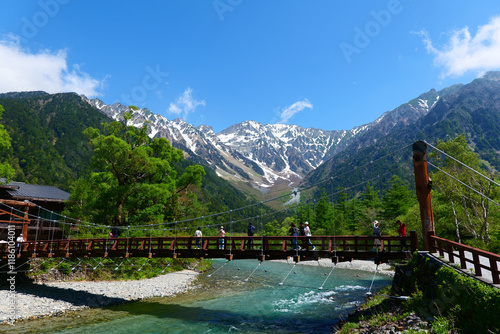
<point x="23" y="95"/>
<point x="492" y="75"/>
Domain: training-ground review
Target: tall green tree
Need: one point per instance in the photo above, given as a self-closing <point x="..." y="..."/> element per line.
<point x="455" y="182"/>
<point x="134" y="182"/>
<point x="324" y="214"/>
<point x="371" y="203"/>
<point x="6" y="170"/>
<point x="398" y="199"/>
<point x="305" y="213"/>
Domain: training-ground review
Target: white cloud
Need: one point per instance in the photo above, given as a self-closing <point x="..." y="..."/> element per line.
<point x="47" y="71"/>
<point x="465" y="52"/>
<point x="297" y="107"/>
<point x="185" y="104"/>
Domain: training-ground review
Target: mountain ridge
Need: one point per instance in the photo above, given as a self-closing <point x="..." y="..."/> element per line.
<point x="267" y="158"/>
<point x="249" y="152"/>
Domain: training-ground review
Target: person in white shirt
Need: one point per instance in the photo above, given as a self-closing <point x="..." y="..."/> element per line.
<point x="19" y="240"/>
<point x="307" y="232"/>
<point x="198" y="235"/>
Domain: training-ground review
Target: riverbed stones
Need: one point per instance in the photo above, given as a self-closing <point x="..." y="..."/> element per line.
<point x="53" y="298"/>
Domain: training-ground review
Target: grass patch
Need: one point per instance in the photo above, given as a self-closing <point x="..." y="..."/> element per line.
<point x="109" y="269"/>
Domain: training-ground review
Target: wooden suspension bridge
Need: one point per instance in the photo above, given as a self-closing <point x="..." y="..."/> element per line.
<point x="339" y="248"/>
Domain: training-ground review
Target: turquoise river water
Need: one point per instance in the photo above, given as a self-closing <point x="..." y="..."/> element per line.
<point x="235" y="297"/>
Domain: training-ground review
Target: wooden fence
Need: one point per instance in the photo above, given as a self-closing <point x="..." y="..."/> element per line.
<point x="479" y="259"/>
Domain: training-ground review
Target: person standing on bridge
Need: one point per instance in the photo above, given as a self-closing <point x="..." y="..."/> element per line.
<point x="402" y="233"/>
<point x="302" y="233"/>
<point x="294" y="232"/>
<point x="222" y="234"/>
<point x="198" y="235"/>
<point x="250" y="233"/>
<point x="115" y="232"/>
<point x="20" y="240"/>
<point x="307" y="233"/>
<point x="376" y="233"/>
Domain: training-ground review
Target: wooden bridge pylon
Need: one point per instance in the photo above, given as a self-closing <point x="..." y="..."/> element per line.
<point x="423" y="187"/>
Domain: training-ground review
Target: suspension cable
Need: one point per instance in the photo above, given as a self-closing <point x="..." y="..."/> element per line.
<point x="321" y="287"/>
<point x="371" y="285"/>
<point x="246" y="279"/>
<point x="281" y="283"/>
<point x="465" y="185"/>
<point x="461" y="163"/>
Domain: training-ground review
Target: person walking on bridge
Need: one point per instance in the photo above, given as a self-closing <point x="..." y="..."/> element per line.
<point x="294" y="232"/>
<point x="198" y="235"/>
<point x="222" y="234"/>
<point x="250" y="233"/>
<point x="402" y="233"/>
<point x="302" y="233"/>
<point x="307" y="233"/>
<point x="376" y="233"/>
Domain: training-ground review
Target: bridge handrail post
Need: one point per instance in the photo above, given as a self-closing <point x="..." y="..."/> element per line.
<point x="463" y="262"/>
<point x="495" y="274"/>
<point x="432" y="241"/>
<point x="477" y="264"/>
<point x="451" y="256"/>
<point x="413" y="241"/>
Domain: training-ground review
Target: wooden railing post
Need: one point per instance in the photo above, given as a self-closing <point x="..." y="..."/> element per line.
<point x="494" y="271"/>
<point x="432" y="242"/>
<point x="423" y="185"/>
<point x="413" y="241"/>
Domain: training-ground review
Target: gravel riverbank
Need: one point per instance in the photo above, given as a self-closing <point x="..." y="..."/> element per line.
<point x="51" y="298"/>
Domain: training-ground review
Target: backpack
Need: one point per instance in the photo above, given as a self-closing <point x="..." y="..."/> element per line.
<point x="295" y="232"/>
<point x="302" y="232"/>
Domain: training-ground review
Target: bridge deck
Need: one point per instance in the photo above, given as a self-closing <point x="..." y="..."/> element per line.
<point x="339" y="248"/>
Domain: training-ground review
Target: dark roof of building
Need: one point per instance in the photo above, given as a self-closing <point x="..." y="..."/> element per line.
<point x="19" y="190"/>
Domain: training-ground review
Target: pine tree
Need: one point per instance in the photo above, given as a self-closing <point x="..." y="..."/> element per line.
<point x="324" y="214"/>
<point x="371" y="203"/>
<point x="398" y="199"/>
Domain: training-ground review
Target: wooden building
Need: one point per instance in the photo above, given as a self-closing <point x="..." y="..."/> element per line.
<point x="29" y="206"/>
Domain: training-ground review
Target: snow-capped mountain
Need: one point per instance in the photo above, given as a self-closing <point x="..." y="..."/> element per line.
<point x="262" y="155"/>
<point x="272" y="154"/>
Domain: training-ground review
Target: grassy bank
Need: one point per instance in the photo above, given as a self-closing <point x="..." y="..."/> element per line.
<point x="108" y="268"/>
<point x="427" y="296"/>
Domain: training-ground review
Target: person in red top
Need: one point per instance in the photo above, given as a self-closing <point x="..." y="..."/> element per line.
<point x="402" y="233"/>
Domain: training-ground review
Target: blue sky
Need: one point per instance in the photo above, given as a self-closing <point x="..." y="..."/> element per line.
<point x="331" y="65"/>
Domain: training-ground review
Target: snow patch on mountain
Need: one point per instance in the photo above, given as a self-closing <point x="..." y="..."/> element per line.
<point x="249" y="151"/>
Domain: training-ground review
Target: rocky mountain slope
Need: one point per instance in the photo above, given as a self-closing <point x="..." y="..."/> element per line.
<point x="271" y="155"/>
<point x="472" y="109"/>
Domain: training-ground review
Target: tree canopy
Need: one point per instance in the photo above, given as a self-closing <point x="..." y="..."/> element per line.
<point x="460" y="188"/>
<point x="6" y="170"/>
<point x="134" y="180"/>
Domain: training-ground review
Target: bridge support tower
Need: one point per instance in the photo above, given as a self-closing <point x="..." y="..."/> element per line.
<point x="423" y="186"/>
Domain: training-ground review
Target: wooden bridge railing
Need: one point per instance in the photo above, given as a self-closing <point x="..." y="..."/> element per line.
<point x="238" y="247"/>
<point x="457" y="250"/>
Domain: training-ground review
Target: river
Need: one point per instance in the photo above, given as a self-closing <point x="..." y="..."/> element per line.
<point x="235" y="297"/>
